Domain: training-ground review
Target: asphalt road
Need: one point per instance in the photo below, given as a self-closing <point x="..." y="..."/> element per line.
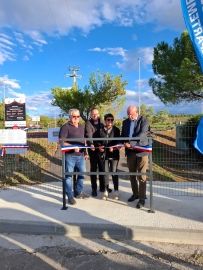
<point x="47" y="252"/>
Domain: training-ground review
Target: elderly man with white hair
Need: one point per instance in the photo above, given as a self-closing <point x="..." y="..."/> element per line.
<point x="136" y="126"/>
<point x="74" y="158"/>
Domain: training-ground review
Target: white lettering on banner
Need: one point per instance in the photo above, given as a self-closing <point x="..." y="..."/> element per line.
<point x="195" y="21"/>
<point x="194" y="17"/>
<point x="192" y="9"/>
<point x="189" y="1"/>
<point x="198" y="31"/>
<point x="13" y="136"/>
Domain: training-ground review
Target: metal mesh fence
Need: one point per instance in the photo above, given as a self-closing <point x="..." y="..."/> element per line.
<point x="177" y="166"/>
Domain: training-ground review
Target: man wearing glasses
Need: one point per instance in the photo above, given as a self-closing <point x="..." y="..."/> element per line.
<point x="75" y="158"/>
<point x="136" y="126"/>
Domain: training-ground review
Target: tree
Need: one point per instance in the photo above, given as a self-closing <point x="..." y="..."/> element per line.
<point x="102" y="90"/>
<point x="45" y="120"/>
<point x="1" y="115"/>
<point x="61" y="122"/>
<point x="147" y="111"/>
<point x="1" y="111"/>
<point x="114" y="107"/>
<point x="162" y="117"/>
<point x="178" y="75"/>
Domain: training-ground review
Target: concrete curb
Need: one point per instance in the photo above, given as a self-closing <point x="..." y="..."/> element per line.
<point x="106" y="231"/>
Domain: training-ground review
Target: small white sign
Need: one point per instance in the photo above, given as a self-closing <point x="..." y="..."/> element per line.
<point x="11" y="124"/>
<point x="35" y="118"/>
<point x="13" y="136"/>
<point x="16" y="151"/>
<point x="53" y="134"/>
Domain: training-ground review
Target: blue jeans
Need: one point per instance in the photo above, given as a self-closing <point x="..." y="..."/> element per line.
<point x="73" y="163"/>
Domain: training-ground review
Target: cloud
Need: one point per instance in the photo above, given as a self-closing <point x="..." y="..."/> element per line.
<point x="111" y="51"/>
<point x="129" y="58"/>
<point x="41" y="103"/>
<point x="50" y="17"/>
<point x="165" y="14"/>
<point x="37" y="38"/>
<point x="130" y="61"/>
<point x="6" y="49"/>
<point x="39" y="19"/>
<point x="147" y="97"/>
<point x="9" y="83"/>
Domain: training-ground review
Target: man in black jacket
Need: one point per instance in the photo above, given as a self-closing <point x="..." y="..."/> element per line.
<point x="91" y="127"/>
<point x="136" y="126"/>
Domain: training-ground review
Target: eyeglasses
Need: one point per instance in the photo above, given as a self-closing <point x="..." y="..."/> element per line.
<point x="110" y="119"/>
<point x="75" y="116"/>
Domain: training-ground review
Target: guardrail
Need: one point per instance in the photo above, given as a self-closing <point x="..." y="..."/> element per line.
<point x="149" y="173"/>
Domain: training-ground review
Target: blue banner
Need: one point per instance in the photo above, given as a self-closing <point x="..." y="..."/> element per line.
<point x="198" y="143"/>
<point x="193" y="15"/>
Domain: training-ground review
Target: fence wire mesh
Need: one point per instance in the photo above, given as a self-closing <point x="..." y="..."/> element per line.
<point x="177" y="166"/>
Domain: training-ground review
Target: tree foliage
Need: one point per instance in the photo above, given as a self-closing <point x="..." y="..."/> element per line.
<point x="178" y="75"/>
<point x="102" y="89"/>
<point x="1" y="115"/>
<point x="1" y="111"/>
<point x="148" y="112"/>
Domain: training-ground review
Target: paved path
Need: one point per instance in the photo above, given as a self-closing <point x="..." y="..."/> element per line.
<point x="36" y="210"/>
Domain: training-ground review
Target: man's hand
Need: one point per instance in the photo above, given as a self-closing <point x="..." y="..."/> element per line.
<point x="101" y="148"/>
<point x="92" y="147"/>
<point x="127" y="145"/>
<point x="86" y="156"/>
<point x="110" y="149"/>
<point x="77" y="149"/>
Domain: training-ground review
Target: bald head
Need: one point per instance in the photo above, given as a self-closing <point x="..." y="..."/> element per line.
<point x="132" y="112"/>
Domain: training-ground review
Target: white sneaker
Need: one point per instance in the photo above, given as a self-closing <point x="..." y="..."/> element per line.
<point x="105" y="195"/>
<point x="116" y="195"/>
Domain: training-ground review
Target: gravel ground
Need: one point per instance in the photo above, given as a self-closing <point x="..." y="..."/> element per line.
<point x="47" y="252"/>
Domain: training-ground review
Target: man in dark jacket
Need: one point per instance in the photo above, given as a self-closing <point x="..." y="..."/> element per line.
<point x="75" y="158"/>
<point x="109" y="153"/>
<point x="136" y="126"/>
<point x="91" y="127"/>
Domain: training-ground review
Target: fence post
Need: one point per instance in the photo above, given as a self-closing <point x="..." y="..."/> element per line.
<point x="151" y="210"/>
<point x="64" y="182"/>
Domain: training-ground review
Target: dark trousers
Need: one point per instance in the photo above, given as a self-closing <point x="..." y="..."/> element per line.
<point x="140" y="165"/>
<point x="96" y="164"/>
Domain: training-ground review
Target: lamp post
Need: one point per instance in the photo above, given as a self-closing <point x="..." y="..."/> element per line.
<point x="139" y="101"/>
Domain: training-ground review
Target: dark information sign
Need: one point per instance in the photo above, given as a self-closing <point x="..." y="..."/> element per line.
<point x="15" y="113"/>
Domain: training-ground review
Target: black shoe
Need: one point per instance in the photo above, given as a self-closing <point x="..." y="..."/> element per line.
<point x="72" y="201"/>
<point x="140" y="204"/>
<point x="94" y="193"/>
<point x="133" y="198"/>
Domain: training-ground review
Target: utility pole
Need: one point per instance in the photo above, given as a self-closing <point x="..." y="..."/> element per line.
<point x="73" y="74"/>
<point x="139" y="101"/>
<point x="2" y="82"/>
